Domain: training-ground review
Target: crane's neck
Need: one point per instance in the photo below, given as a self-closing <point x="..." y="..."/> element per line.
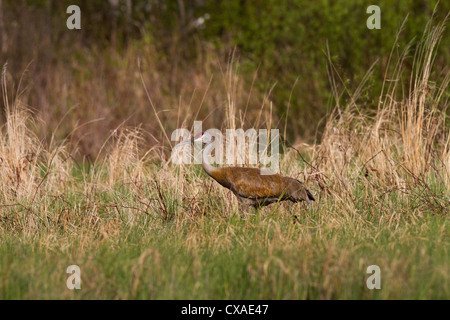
<point x="209" y="169"/>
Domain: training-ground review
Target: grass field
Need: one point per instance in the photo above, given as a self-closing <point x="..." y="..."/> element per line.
<point x="140" y="227"/>
<point x="216" y="257"/>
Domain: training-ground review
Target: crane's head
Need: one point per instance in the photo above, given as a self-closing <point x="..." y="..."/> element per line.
<point x="204" y="137"/>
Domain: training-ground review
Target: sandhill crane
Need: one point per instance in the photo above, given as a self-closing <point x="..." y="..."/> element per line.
<point x="248" y="184"/>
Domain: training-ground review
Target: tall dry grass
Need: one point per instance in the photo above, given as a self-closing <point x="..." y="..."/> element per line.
<point x="403" y="146"/>
<point x="29" y="168"/>
<point x="400" y="150"/>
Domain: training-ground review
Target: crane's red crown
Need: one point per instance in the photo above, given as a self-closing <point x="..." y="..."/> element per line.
<point x="198" y="135"/>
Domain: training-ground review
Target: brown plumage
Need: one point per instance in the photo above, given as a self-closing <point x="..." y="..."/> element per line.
<point x="250" y="186"/>
<point x="254" y="189"/>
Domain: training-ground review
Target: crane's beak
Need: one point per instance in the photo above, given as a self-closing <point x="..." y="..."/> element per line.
<point x="185" y="142"/>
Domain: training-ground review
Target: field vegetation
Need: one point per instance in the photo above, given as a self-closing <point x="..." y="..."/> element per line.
<point x="86" y="177"/>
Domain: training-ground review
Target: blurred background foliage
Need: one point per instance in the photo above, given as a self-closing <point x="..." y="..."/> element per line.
<point x="279" y="50"/>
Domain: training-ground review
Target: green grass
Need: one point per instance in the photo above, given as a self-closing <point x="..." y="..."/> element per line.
<point x="127" y="254"/>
